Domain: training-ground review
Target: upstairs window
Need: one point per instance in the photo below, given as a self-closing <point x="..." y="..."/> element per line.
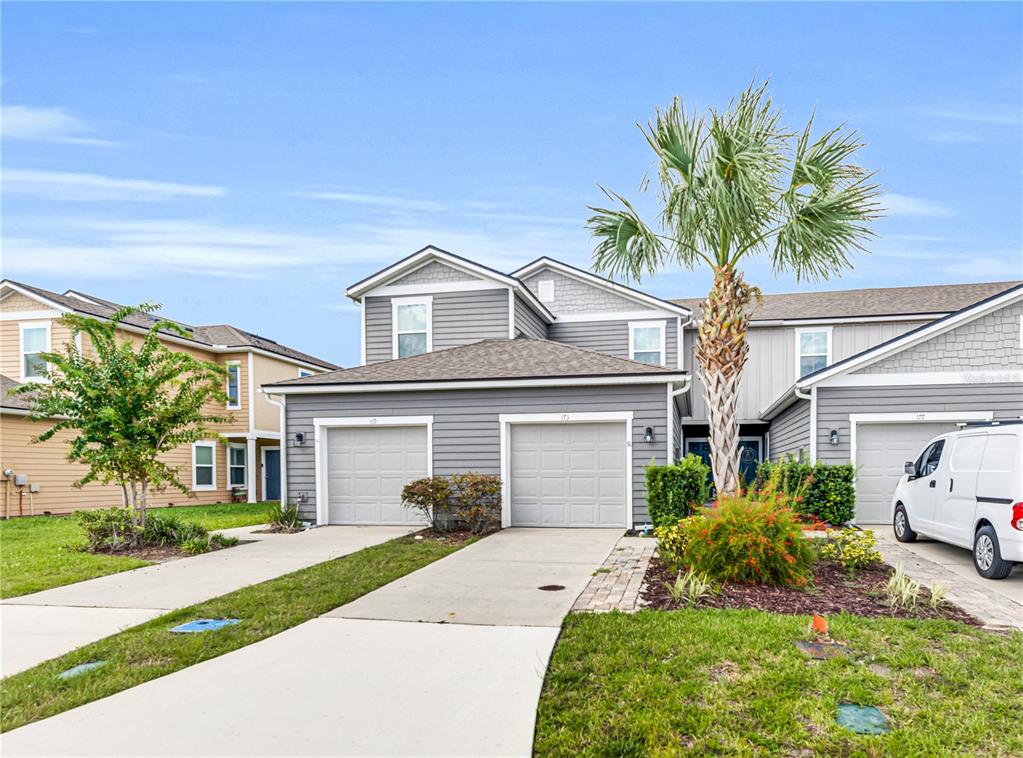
<point x="412" y="326"/>
<point x="234" y="393"/>
<point x="646" y="342"/>
<point x="302" y="373"/>
<point x="813" y="350"/>
<point x="35" y="339"/>
<point x="204" y="466"/>
<point x="236" y="465"/>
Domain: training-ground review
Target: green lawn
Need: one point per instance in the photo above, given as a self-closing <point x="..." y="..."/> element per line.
<point x="726" y="682"/>
<point x="149" y="651"/>
<point x="40" y="552"/>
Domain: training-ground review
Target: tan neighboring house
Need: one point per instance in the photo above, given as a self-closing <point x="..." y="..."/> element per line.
<point x="244" y="462"/>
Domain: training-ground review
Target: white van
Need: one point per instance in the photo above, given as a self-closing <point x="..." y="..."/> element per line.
<point x="966" y="488"/>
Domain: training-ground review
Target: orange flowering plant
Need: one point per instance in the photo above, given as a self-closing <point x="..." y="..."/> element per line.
<point x="755" y="537"/>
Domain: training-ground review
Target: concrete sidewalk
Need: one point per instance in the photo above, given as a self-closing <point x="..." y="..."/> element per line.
<point x="343" y="685"/>
<point x="46" y="624"/>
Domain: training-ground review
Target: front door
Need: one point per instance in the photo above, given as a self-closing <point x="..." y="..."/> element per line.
<point x="271" y="474"/>
<point x="749" y="456"/>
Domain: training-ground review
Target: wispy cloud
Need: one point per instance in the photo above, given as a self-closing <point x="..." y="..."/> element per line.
<point x="382" y="201"/>
<point x="906" y="205"/>
<point x="1004" y="264"/>
<point x="46" y="125"/>
<point x="61" y="185"/>
<point x="979" y="113"/>
<point x="953" y="137"/>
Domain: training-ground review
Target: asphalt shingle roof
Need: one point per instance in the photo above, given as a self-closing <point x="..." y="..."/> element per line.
<point x="886" y="301"/>
<point x="521" y="358"/>
<point x="8" y="400"/>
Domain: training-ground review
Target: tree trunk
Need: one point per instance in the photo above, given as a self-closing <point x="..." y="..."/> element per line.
<point x="721" y="352"/>
<point x="142" y="504"/>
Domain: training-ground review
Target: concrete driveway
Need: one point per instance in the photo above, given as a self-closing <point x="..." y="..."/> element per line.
<point x="368" y="678"/>
<point x="46" y="624"/>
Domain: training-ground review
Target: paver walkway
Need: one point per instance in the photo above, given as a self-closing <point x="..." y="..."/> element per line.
<point x="367" y="678"/>
<point x="46" y="624"/>
<point x="616" y="585"/>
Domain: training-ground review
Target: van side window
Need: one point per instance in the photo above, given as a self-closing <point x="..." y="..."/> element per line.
<point x="929" y="461"/>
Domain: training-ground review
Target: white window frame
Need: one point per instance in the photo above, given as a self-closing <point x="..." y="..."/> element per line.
<point x="304" y="372"/>
<point x="244" y="467"/>
<point x="634" y="325"/>
<point x="827" y="330"/>
<point x="397" y="302"/>
<point x="22" y="327"/>
<point x="205" y="487"/>
<point x="228" y="365"/>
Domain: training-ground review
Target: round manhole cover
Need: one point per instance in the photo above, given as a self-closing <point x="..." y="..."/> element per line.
<point x="551" y="587"/>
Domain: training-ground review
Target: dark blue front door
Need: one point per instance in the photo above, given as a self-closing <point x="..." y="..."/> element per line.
<point x="272" y="474"/>
<point x="749" y="456"/>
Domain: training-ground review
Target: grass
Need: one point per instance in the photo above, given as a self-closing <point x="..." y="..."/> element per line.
<point x="149" y="650"/>
<point x="729" y="682"/>
<point x="40" y="552"/>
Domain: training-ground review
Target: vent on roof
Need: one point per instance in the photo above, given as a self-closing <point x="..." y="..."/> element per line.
<point x="546" y="291"/>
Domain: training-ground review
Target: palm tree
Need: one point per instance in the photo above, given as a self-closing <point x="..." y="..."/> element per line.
<point x="732" y="185"/>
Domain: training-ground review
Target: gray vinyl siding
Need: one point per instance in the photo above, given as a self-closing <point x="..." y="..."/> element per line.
<point x="466" y="430"/>
<point x="527" y="322"/>
<point x="790" y="431"/>
<point x="611" y="337"/>
<point x="459" y="318"/>
<point x="835" y="404"/>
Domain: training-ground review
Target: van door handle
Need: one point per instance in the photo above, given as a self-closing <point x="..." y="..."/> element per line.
<point x="950" y="482"/>
<point x="933" y="483"/>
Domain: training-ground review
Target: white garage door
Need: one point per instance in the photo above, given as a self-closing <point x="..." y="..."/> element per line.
<point x="568" y="474"/>
<point x="881" y="451"/>
<point x="366" y="469"/>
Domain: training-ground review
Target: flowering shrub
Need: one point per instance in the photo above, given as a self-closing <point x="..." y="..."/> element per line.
<point x="752" y="538"/>
<point x="672" y="541"/>
<point x="853" y="548"/>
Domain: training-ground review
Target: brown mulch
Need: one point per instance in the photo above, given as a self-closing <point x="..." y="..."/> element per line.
<point x="452" y="537"/>
<point x="160" y="553"/>
<point x="278" y="529"/>
<point x="832" y="591"/>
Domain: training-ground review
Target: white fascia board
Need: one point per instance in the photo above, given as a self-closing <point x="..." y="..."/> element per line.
<point x="399" y="290"/>
<point x="825" y="320"/>
<point x="31" y="315"/>
<point x="569" y="318"/>
<point x="921" y="378"/>
<point x="34" y="296"/>
<point x="599" y="281"/>
<point x="787" y="398"/>
<point x="928" y="416"/>
<point x="360" y="421"/>
<point x="582" y="381"/>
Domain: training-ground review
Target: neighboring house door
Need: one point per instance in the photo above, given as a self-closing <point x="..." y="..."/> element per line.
<point x="367" y="467"/>
<point x="271" y="473"/>
<point x="569" y="474"/>
<point x="882" y="450"/>
<point x="749" y="456"/>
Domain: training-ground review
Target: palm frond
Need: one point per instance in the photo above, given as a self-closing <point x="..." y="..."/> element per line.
<point x="626" y="246"/>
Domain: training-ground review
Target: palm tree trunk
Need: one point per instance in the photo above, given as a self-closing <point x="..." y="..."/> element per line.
<point x="721" y="352"/>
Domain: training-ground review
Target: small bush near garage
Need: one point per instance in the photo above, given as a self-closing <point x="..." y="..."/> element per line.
<point x="110" y="530"/>
<point x="675" y="491"/>
<point x="470" y="501"/>
<point x="820" y="490"/>
<point x="673" y="540"/>
<point x="431" y="497"/>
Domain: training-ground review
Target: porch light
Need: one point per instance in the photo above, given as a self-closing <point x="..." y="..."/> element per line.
<point x="299" y="439"/>
<point x="648" y="434"/>
<point x="833" y="437"/>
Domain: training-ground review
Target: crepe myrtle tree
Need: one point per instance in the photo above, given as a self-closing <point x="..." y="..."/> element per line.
<point x="731" y="185"/>
<point x="126" y="403"/>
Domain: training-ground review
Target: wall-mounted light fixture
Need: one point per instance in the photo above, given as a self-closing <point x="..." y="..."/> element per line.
<point x="299" y="439"/>
<point x="648" y="434"/>
<point x="833" y="437"/>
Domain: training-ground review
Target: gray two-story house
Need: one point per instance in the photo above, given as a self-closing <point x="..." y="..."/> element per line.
<point x="566" y="385"/>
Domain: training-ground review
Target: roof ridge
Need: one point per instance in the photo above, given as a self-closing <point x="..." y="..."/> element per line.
<point x="1007" y="282"/>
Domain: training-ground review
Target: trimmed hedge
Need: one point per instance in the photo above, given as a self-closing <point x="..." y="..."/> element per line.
<point x="672" y="492"/>
<point x="816" y="489"/>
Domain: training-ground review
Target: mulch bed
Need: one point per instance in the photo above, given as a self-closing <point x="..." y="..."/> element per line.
<point x="833" y="591"/>
<point x="160" y="553"/>
<point x="279" y="530"/>
<point x="452" y="537"/>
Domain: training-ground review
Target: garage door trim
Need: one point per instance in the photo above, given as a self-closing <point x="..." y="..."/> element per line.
<point x="320" y="427"/>
<point x="507" y="419"/>
<point x="907" y="418"/>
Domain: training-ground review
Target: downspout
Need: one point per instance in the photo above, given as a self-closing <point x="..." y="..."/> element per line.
<point x="812" y="397"/>
<point x="672" y="394"/>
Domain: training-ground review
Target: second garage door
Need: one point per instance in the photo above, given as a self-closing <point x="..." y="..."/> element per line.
<point x="366" y="470"/>
<point x="568" y="474"/>
<point x="881" y="451"/>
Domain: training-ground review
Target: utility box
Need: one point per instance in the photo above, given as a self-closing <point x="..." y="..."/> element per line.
<point x="20" y="480"/>
<point x="34" y="487"/>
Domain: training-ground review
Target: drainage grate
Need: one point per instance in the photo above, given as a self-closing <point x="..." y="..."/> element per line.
<point x="81" y="668"/>
<point x="203" y="625"/>
<point x="862" y="719"/>
<point x="551" y="587"/>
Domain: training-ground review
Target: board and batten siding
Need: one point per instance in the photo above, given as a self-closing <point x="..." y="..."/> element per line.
<point x="466" y="430"/>
<point x="790" y="431"/>
<point x="835" y="404"/>
<point x="459" y="318"/>
<point x="527" y="323"/>
<point x="612" y="337"/>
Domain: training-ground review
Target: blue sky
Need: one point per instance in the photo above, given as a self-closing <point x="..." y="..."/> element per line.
<point x="244" y="163"/>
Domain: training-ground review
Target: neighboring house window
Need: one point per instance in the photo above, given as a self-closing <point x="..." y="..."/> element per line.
<point x="204" y="466"/>
<point x="646" y="341"/>
<point x="234" y="385"/>
<point x="813" y="350"/>
<point x="236" y="465"/>
<point x="302" y="372"/>
<point x="412" y="319"/>
<point x="35" y="339"/>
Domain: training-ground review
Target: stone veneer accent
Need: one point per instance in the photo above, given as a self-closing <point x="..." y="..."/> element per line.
<point x="991" y="342"/>
<point x="574" y="296"/>
<point x="434" y="273"/>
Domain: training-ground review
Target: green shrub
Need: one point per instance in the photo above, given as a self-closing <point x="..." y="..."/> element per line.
<point x="820" y="490"/>
<point x="477" y="500"/>
<point x="109" y="529"/>
<point x="204" y="543"/>
<point x="283" y="517"/>
<point x="672" y="541"/>
<point x="169" y="529"/>
<point x="753" y="538"/>
<point x="673" y="492"/>
<point x="853" y="548"/>
<point x="431" y="496"/>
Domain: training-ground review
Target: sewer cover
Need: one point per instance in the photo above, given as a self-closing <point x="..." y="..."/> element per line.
<point x="80" y="669"/>
<point x="822" y="650"/>
<point x="862" y="719"/>
<point x="203" y="625"/>
<point x="551" y="587"/>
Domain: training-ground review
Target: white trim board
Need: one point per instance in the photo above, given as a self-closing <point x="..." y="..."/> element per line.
<point x="926" y="378"/>
<point x="573" y="318"/>
<point x="505" y="420"/>
<point x="582" y="381"/>
<point x="324" y="423"/>
<point x="392" y="290"/>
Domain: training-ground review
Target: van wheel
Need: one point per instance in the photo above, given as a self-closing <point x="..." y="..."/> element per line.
<point x="987" y="557"/>
<point x="903" y="531"/>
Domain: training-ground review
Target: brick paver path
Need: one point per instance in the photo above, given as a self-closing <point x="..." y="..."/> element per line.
<point x="616" y="584"/>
